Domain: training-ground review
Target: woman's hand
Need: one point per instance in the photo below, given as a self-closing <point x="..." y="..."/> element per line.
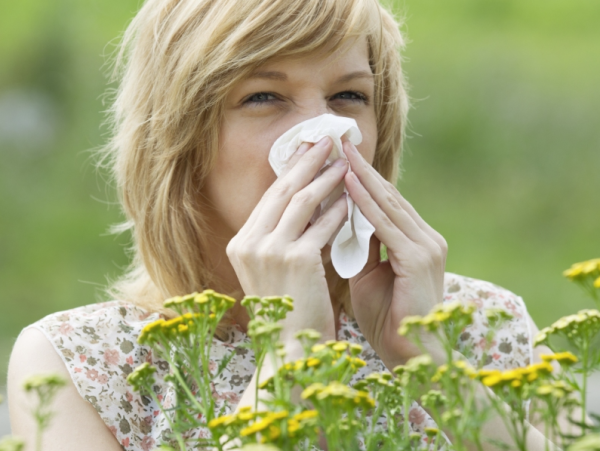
<point x="274" y="253"/>
<point x="410" y="282"/>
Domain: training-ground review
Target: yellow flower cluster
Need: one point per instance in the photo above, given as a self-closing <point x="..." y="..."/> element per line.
<point x="515" y="378"/>
<point x="10" y="443"/>
<point x="339" y="395"/>
<point x="323" y="355"/>
<point x="261" y="329"/>
<point x="582" y="270"/>
<point x="416" y="370"/>
<point x="142" y="376"/>
<point x="383" y="379"/>
<point x="434" y="399"/>
<point x="268" y="424"/>
<point x="455" y="370"/>
<point x="44" y="381"/>
<point x="555" y="389"/>
<point x="564" y="358"/>
<point x="269" y="308"/>
<point x="208" y="300"/>
<point x="585" y="322"/>
<point x="194" y="309"/>
<point x="441" y="314"/>
<point x="180" y="325"/>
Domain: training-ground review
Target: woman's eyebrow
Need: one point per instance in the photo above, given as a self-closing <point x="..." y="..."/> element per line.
<point x="281" y="76"/>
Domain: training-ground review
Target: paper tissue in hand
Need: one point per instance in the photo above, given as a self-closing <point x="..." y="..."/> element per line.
<point x="350" y="247"/>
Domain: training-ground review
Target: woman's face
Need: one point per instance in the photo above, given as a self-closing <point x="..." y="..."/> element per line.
<point x="277" y="96"/>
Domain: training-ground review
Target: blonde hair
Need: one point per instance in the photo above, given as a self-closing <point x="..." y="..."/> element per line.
<point x="176" y="65"/>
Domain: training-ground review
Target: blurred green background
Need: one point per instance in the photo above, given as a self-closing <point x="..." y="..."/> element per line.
<point x="503" y="156"/>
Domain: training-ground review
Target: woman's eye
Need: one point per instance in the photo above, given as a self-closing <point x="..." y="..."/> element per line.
<point x="260" y="97"/>
<point x="353" y="96"/>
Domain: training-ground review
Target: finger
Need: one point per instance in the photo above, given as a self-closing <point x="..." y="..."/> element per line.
<point x="392" y="235"/>
<point x="323" y="229"/>
<point x="303" y="204"/>
<point x="269" y="209"/>
<point x="385" y="193"/>
<point x="296" y="157"/>
<point x="302" y="149"/>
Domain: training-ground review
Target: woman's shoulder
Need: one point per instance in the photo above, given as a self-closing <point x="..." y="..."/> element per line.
<point x="482" y="293"/>
<point x="98" y="339"/>
<point x="92" y="321"/>
<point x="512" y="344"/>
<point x="98" y="345"/>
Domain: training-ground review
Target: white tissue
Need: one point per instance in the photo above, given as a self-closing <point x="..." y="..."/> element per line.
<point x="350" y="247"/>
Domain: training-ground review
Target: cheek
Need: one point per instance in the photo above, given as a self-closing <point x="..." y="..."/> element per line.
<point x="240" y="176"/>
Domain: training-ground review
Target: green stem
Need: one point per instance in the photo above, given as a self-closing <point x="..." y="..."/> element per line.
<point x="405" y="409"/>
<point x="583" y="398"/>
<point x="259" y="365"/>
<point x="179" y="438"/>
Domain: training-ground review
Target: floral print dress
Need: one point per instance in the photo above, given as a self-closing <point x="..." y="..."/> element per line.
<point x="98" y="346"/>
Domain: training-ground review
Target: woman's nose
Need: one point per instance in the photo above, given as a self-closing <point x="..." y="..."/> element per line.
<point x="313" y="112"/>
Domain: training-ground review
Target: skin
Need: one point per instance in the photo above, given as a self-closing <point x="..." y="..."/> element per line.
<point x="262" y="243"/>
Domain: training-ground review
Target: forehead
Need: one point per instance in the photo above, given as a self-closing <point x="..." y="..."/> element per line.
<point x="351" y="57"/>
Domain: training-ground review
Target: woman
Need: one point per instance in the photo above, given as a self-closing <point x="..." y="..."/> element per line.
<point x="206" y="88"/>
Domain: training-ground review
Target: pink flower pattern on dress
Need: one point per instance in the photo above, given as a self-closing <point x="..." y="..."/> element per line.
<point x="98" y="344"/>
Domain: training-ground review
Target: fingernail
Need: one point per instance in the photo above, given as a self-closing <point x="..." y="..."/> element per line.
<point x="354" y="177"/>
<point x="303" y="148"/>
<point x="339" y="163"/>
<point x="324" y="142"/>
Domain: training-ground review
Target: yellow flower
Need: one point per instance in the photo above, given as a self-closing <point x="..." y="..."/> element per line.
<point x="182" y="329"/>
<point x="565" y="358"/>
<point x="293" y="426"/>
<point x="312" y="361"/>
<point x="51" y="380"/>
<point x="178" y="302"/>
<point x="432" y="432"/>
<point x="305" y="415"/>
<point x="487" y="372"/>
<point x="277" y="415"/>
<point x="151" y="332"/>
<point x="273" y="433"/>
<point x="542" y="336"/>
<point x="312" y="390"/>
<point x="492" y="380"/>
<point x="355" y="349"/>
<point x="255" y="427"/>
<point x="309" y="334"/>
<point x="141" y="376"/>
<point x="511" y="375"/>
<point x="224" y="420"/>
<point x="318" y="348"/>
<point x="597" y="283"/>
<point x="581" y="269"/>
<point x="265" y="383"/>
<point x="408" y="323"/>
<point x="357" y="363"/>
<point x="340" y="346"/>
<point x="532" y="377"/>
<point x="545" y="389"/>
